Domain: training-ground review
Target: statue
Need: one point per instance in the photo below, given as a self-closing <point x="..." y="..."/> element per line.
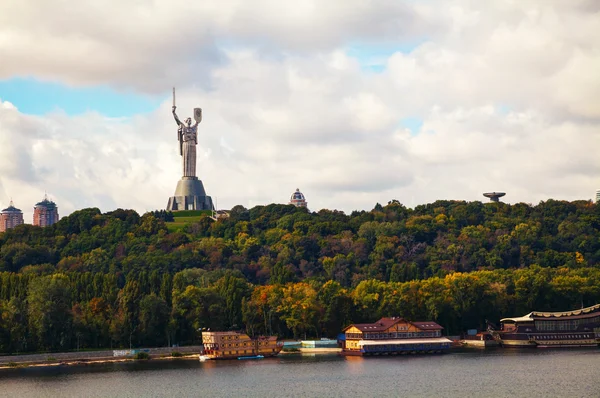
<point x="190" y="193"/>
<point x="187" y="134"/>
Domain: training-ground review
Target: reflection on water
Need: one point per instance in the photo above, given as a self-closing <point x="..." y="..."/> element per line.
<point x="549" y="373"/>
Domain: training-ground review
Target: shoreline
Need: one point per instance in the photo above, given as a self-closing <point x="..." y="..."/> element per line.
<point x="95" y="361"/>
<point x="105" y="360"/>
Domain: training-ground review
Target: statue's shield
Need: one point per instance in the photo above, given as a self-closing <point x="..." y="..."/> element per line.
<point x="198" y="115"/>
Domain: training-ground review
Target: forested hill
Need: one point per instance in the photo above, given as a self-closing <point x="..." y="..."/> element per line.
<point x="102" y="280"/>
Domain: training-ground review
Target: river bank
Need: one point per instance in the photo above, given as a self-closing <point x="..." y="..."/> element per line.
<point x="94" y="357"/>
<point x="108" y="356"/>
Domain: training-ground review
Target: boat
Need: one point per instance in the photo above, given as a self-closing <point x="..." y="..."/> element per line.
<point x="394" y="336"/>
<point x="232" y="345"/>
<point x="576" y="328"/>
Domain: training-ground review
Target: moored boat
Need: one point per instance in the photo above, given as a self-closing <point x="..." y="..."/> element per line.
<point x="576" y="328"/>
<point x="232" y="345"/>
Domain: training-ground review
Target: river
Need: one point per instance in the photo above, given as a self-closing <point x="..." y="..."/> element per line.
<point x="468" y="373"/>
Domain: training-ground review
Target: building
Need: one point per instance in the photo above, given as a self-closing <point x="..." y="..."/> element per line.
<point x="231" y="345"/>
<point x="298" y="199"/>
<point x="393" y="336"/>
<point x="45" y="213"/>
<point x="10" y="217"/>
<point x="576" y="328"/>
<point x="598" y="196"/>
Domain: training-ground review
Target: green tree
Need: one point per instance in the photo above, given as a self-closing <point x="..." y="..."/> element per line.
<point x="49" y="312"/>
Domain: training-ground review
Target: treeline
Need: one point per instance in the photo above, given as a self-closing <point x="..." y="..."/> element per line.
<point x="118" y="280"/>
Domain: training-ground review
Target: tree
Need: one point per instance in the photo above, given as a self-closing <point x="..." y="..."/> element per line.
<point x="49" y="311"/>
<point x="299" y="308"/>
<point x="154" y="320"/>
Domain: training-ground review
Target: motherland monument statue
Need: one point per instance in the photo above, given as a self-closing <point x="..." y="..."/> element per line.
<point x="189" y="194"/>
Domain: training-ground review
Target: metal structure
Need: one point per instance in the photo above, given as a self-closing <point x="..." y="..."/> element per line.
<point x="494" y="196"/>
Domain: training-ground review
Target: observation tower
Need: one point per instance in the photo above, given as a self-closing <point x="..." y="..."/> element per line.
<point x="494" y="196"/>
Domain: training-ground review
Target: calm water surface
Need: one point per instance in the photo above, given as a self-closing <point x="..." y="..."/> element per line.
<point x="473" y="373"/>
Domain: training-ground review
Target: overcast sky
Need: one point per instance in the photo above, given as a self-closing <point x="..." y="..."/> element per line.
<point x="354" y="102"/>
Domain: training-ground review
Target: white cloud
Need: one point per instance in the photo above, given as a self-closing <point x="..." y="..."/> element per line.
<point x="507" y="92"/>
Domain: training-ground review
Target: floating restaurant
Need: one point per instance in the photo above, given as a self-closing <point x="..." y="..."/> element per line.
<point x="576" y="328"/>
<point x="231" y="345"/>
<point x="393" y="336"/>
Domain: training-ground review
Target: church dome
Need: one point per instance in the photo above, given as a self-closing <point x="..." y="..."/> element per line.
<point x="297" y="199"/>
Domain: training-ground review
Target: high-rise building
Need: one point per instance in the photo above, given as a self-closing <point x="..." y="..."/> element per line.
<point x="45" y="213"/>
<point x="598" y="196"/>
<point x="298" y="199"/>
<point x="10" y="217"/>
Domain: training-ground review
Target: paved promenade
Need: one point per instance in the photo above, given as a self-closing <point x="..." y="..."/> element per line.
<point x="54" y="357"/>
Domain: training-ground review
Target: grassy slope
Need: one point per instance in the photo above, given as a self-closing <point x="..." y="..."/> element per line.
<point x="186" y="217"/>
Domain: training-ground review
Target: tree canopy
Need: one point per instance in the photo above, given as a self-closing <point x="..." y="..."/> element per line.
<point x="120" y="279"/>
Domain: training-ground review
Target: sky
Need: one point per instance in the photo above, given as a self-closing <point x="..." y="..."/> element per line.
<point x="354" y="102"/>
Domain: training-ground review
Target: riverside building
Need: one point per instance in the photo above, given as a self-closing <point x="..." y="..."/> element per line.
<point x="393" y="336"/>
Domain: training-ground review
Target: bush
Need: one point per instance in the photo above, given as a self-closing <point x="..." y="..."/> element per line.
<point x="176" y="354"/>
<point x="12" y="364"/>
<point x="50" y="359"/>
<point x="141" y="355"/>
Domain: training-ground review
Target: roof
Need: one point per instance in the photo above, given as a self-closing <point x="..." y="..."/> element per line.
<point x="46" y="203"/>
<point x="429" y="325"/>
<point x="11" y="209"/>
<point x="297" y="195"/>
<point x="386" y="323"/>
<point x="380" y="325"/>
<point x="574" y="314"/>
<point x="404" y="341"/>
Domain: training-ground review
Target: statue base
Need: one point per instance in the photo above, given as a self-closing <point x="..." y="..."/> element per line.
<point x="190" y="195"/>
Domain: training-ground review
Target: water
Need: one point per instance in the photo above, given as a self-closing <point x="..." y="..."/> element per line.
<point x="473" y="373"/>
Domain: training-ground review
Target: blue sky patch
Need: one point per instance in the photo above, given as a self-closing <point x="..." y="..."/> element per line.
<point x="35" y="97"/>
<point x="414" y="124"/>
<point x="373" y="56"/>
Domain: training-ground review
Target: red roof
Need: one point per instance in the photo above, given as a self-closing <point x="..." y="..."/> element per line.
<point x="379" y="326"/>
<point x="429" y="325"/>
<point x="386" y="323"/>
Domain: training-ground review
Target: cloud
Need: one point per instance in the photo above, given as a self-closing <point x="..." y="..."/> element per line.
<point x="151" y="45"/>
<point x="506" y="93"/>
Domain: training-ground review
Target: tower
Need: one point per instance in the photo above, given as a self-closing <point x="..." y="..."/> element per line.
<point x="494" y="196"/>
<point x="10" y="217"/>
<point x="45" y="213"/>
<point x="598" y="196"/>
<point x="298" y="199"/>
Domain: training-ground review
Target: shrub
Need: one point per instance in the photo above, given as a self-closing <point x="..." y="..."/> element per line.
<point x="176" y="354"/>
<point x="141" y="355"/>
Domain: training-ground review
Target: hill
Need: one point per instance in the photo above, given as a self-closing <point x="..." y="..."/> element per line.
<point x="99" y="280"/>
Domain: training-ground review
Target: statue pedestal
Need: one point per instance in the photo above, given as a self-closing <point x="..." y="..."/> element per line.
<point x="190" y="195"/>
